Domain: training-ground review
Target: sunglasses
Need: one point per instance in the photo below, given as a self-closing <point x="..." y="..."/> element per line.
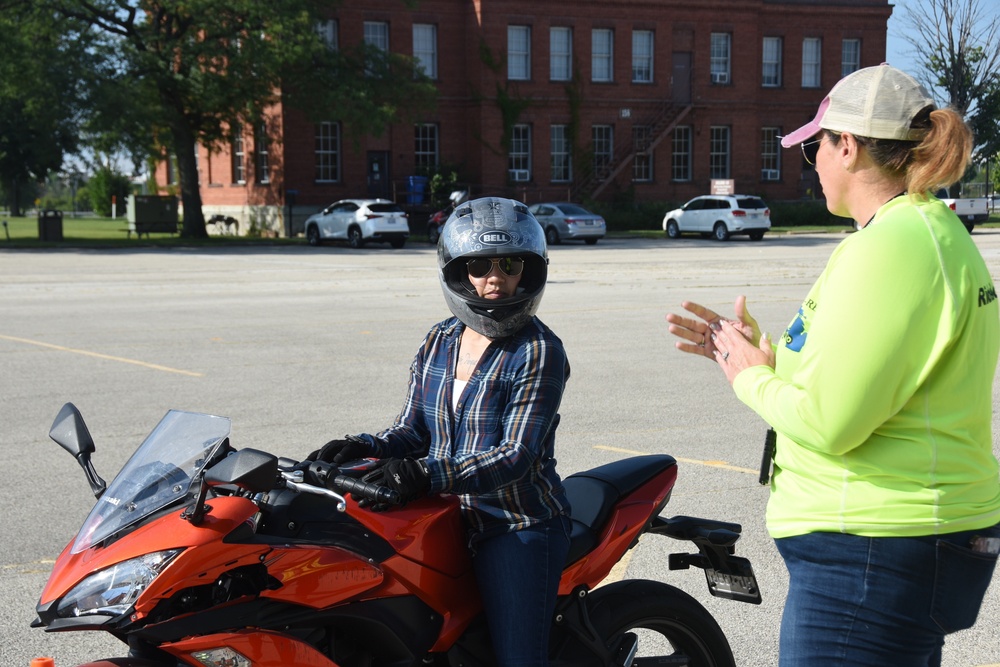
<point x="810" y="149"/>
<point x="481" y="267"/>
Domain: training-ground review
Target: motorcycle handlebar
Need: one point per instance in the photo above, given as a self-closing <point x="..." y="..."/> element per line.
<point x="325" y="474"/>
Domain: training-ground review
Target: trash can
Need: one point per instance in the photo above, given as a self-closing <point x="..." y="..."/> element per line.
<point x="50" y="226"/>
<point x="416" y="185"/>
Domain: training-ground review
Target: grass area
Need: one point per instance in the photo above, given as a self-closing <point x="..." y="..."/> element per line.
<point x="108" y="232"/>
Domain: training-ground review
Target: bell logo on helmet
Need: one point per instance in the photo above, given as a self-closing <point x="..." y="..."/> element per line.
<point x="495" y="238"/>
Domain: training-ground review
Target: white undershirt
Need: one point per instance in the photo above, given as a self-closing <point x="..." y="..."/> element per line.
<point x="456" y="392"/>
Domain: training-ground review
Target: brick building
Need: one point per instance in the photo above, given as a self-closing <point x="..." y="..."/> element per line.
<point x="656" y="98"/>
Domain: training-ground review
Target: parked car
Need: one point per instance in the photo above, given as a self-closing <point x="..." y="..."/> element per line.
<point x="359" y="221"/>
<point x="563" y="221"/>
<point x="970" y="210"/>
<point x="720" y="216"/>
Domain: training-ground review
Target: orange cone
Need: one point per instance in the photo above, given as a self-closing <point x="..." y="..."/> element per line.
<point x="43" y="662"/>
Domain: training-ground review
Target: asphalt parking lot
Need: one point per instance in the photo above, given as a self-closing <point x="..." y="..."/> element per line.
<point x="298" y="345"/>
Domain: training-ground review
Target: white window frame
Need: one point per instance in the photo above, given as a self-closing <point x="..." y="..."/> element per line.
<point x="561" y="152"/>
<point x="377" y="34"/>
<point x="425" y="48"/>
<point x="327" y="152"/>
<point x="603" y="142"/>
<point x="262" y="170"/>
<point x="642" y="161"/>
<point x="239" y="158"/>
<point x="719" y="152"/>
<point x="642" y="56"/>
<point x="812" y="61"/>
<point x="560" y="53"/>
<point x="850" y="56"/>
<point x="720" y="57"/>
<point x="425" y="145"/>
<point x="519" y="156"/>
<point x="770" y="154"/>
<point x="602" y="50"/>
<point x="770" y="75"/>
<point x="328" y="31"/>
<point x="518" y="52"/>
<point x="680" y="157"/>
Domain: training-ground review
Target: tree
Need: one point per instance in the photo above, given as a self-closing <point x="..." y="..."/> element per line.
<point x="957" y="45"/>
<point x="197" y="71"/>
<point x="43" y="63"/>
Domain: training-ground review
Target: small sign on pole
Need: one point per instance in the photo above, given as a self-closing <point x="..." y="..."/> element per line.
<point x="114" y="207"/>
<point x="723" y="186"/>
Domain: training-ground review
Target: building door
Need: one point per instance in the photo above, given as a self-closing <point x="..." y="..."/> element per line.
<point x="378" y="174"/>
<point x="680" y="78"/>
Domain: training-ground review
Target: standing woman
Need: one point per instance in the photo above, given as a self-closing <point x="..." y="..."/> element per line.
<point x="480" y="418"/>
<point x="885" y="497"/>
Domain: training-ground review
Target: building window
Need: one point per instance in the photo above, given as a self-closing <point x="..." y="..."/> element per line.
<point x="601" y="55"/>
<point x="425" y="48"/>
<point x="642" y="162"/>
<point x="810" y="62"/>
<point x="560" y="54"/>
<point x="850" y="58"/>
<point x="562" y="156"/>
<point x="239" y="157"/>
<point x="680" y="161"/>
<point x="718" y="152"/>
<point x="518" y="52"/>
<point x="770" y="154"/>
<point x="172" y="171"/>
<point x="425" y="146"/>
<point x="327" y="153"/>
<point x="260" y="146"/>
<point x="377" y="34"/>
<point x="328" y="33"/>
<point x="771" y="59"/>
<point x="720" y="51"/>
<point x="519" y="159"/>
<point x="642" y="56"/>
<point x="604" y="143"/>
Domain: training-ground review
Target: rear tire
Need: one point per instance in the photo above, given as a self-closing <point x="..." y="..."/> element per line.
<point x="354" y="238"/>
<point x="720" y="232"/>
<point x="756" y="236"/>
<point x="671" y="625"/>
<point x="590" y="241"/>
<point x="551" y="236"/>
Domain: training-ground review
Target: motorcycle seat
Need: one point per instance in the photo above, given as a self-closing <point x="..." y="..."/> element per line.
<point x="593" y="494"/>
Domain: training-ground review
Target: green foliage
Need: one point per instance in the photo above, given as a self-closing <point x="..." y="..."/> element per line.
<point x="104" y="185"/>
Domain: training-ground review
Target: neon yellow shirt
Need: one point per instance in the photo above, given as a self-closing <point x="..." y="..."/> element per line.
<point x="882" y="391"/>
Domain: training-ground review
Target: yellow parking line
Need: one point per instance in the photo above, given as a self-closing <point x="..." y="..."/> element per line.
<point x="711" y="464"/>
<point x="109" y="357"/>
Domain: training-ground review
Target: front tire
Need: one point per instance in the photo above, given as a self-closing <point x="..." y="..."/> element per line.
<point x="312" y="236"/>
<point x="433" y="233"/>
<point x="670" y="624"/>
<point x="673" y="230"/>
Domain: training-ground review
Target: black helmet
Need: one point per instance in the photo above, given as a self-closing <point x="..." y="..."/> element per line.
<point x="492" y="227"/>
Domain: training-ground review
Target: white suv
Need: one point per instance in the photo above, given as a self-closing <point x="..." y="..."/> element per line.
<point x="358" y="221"/>
<point x="720" y="216"/>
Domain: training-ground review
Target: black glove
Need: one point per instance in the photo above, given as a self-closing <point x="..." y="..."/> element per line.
<point x="338" y="452"/>
<point x="407" y="477"/>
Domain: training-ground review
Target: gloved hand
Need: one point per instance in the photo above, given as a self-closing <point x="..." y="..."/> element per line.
<point x="407" y="477"/>
<point x="339" y="452"/>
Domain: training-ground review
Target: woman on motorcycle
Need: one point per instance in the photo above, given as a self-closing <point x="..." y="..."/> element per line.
<point x="480" y="417"/>
<point x="885" y="498"/>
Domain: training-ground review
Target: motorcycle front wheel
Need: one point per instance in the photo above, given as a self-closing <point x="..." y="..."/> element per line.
<point x="672" y="628"/>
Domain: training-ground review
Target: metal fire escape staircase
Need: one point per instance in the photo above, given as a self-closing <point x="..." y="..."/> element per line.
<point x="598" y="177"/>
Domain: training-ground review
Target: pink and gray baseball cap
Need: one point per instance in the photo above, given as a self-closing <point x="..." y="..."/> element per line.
<point x="876" y="102"/>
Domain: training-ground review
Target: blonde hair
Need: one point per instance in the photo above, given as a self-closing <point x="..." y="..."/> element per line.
<point x="935" y="161"/>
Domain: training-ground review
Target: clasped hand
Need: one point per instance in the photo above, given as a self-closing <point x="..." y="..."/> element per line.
<point x="735" y="344"/>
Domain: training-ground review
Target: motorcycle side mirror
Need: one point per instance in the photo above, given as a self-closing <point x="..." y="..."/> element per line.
<point x="249" y="469"/>
<point x="71" y="433"/>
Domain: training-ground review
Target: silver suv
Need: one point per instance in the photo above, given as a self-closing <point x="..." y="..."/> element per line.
<point x="720" y="216"/>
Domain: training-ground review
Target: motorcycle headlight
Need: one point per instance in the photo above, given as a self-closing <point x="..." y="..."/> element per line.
<point x="222" y="657"/>
<point x="113" y="590"/>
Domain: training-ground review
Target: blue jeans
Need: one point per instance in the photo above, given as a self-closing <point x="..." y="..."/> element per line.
<point x="864" y="601"/>
<point x="518" y="576"/>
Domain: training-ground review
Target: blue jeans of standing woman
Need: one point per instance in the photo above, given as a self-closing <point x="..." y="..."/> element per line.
<point x="864" y="601"/>
<point x="518" y="576"/>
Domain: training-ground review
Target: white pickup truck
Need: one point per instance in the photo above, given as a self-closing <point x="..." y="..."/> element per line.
<point x="969" y="211"/>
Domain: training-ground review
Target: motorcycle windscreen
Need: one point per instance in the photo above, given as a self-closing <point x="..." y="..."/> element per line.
<point x="158" y="474"/>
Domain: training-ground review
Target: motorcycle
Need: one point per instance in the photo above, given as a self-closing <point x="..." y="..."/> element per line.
<point x="437" y="220"/>
<point x="201" y="554"/>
